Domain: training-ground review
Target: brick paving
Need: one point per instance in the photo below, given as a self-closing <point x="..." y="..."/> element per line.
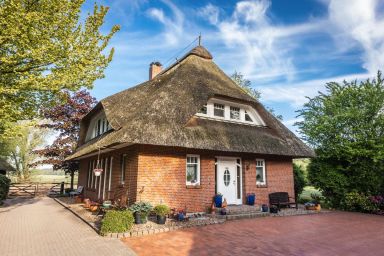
<point x="41" y="226"/>
<point x="336" y="233"/>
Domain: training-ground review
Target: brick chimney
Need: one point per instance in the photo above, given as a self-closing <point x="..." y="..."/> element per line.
<point x="154" y="69"/>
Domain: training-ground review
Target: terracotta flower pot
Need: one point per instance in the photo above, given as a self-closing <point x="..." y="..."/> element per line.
<point x="318" y="207"/>
<point x="94" y="208"/>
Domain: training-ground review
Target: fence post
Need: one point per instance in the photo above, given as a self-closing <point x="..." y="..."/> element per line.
<point x="62" y="188"/>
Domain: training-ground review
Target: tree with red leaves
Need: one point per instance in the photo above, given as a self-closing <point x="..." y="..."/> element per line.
<point x="65" y="118"/>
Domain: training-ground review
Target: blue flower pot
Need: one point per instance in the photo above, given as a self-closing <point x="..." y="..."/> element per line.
<point x="251" y="199"/>
<point x="218" y="200"/>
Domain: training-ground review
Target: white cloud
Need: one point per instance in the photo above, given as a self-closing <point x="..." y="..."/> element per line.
<point x="173" y="24"/>
<point x="295" y="94"/>
<point x="211" y="13"/>
<point x="262" y="50"/>
<point x="358" y="21"/>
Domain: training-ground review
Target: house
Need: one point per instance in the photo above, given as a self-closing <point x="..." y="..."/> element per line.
<point x="182" y="136"/>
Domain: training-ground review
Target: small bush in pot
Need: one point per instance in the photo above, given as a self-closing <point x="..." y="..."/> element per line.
<point x="161" y="210"/>
<point x="116" y="222"/>
<point x="140" y="211"/>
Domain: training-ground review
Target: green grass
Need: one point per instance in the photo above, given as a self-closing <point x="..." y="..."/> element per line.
<point x="308" y="190"/>
<point x="48" y="176"/>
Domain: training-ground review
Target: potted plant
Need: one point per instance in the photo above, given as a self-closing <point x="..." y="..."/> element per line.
<point x="251" y="197"/>
<point x="140" y="211"/>
<point x="218" y="198"/>
<point x="161" y="210"/>
<point x="316" y="201"/>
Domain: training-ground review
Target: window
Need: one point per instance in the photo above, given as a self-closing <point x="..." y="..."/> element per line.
<point x="229" y="111"/>
<point x="260" y="172"/>
<point x="203" y="110"/>
<point x="123" y="163"/>
<point x="227" y="177"/>
<point x="218" y="110"/>
<point x="234" y="113"/>
<point x="193" y="170"/>
<point x="248" y="117"/>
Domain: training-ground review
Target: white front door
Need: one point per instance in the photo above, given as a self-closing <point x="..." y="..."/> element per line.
<point x="229" y="179"/>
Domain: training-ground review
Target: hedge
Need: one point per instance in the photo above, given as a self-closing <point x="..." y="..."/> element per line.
<point x="4" y="187"/>
<point x="116" y="222"/>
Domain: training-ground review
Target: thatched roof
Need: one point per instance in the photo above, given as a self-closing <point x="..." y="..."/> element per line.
<point x="4" y="165"/>
<point x="161" y="112"/>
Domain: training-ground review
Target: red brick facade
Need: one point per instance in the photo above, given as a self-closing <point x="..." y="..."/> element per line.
<point x="158" y="174"/>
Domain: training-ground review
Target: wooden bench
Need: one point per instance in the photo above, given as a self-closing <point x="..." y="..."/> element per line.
<point x="281" y="199"/>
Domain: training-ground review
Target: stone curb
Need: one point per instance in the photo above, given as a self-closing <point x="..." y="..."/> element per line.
<point x="76" y="214"/>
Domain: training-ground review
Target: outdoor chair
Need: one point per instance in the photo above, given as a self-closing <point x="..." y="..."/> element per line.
<point x="78" y="191"/>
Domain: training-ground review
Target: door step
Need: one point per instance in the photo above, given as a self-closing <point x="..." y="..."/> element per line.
<point x="243" y="216"/>
<point x="235" y="212"/>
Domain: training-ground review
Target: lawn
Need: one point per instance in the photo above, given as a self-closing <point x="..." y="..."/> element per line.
<point x="308" y="190"/>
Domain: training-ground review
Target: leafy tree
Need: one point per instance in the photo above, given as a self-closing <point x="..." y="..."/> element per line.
<point x="246" y="85"/>
<point x="65" y="119"/>
<point x="299" y="180"/>
<point x="20" y="149"/>
<point x="345" y="125"/>
<point x="46" y="47"/>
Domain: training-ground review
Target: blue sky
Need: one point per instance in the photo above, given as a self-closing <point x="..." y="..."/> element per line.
<point x="288" y="49"/>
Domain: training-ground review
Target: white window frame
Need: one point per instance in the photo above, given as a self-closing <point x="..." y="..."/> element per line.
<point x="264" y="172"/>
<point x="231" y="108"/>
<point x="198" y="170"/>
<point x="214" y="107"/>
<point x="122" y="170"/>
<point x="256" y="119"/>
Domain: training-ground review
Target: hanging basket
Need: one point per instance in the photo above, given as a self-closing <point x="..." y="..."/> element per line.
<point x="97" y="172"/>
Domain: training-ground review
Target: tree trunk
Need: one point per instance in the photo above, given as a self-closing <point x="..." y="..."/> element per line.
<point x="72" y="178"/>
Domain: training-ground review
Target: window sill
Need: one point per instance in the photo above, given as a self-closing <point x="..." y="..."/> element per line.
<point x="193" y="186"/>
<point x="261" y="185"/>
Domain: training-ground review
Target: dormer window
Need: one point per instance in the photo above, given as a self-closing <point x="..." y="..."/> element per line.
<point x="234" y="113"/>
<point x="98" y="126"/>
<point x="229" y="111"/>
<point x="203" y="110"/>
<point x="218" y="110"/>
<point x="247" y="117"/>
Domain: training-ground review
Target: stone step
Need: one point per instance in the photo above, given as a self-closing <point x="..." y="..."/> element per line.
<point x="240" y="209"/>
<point x="242" y="216"/>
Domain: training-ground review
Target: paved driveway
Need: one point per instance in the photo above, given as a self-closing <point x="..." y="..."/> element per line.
<point x="336" y="233"/>
<point x="43" y="227"/>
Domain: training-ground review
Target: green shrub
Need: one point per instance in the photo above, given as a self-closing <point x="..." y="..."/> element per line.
<point x="4" y="187"/>
<point x="116" y="222"/>
<point x="356" y="202"/>
<point x="161" y="210"/>
<point x="299" y="179"/>
<point x="143" y="207"/>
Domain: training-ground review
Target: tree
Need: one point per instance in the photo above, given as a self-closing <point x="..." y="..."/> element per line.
<point x="299" y="179"/>
<point x="20" y="149"/>
<point x="246" y="85"/>
<point x="46" y="47"/>
<point x="65" y="119"/>
<point x="345" y="125"/>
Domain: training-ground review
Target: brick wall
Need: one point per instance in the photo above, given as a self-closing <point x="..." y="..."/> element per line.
<point x="157" y="174"/>
<point x="279" y="172"/>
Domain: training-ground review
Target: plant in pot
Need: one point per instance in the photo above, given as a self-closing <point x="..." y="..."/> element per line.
<point x="140" y="211"/>
<point x="316" y="198"/>
<point x="218" y="198"/>
<point x="161" y="210"/>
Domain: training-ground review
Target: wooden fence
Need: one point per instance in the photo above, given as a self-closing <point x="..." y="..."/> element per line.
<point x="36" y="189"/>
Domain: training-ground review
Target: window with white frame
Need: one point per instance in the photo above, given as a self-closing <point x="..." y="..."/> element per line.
<point x="122" y="170"/>
<point x="203" y="110"/>
<point x="234" y="113"/>
<point x="218" y="110"/>
<point x="193" y="170"/>
<point x="228" y="111"/>
<point x="261" y="178"/>
<point x="247" y="117"/>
